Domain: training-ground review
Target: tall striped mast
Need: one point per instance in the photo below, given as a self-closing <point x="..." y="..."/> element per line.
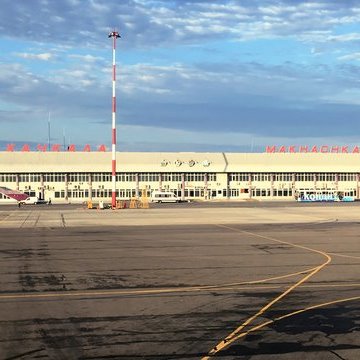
<point x="115" y="35"/>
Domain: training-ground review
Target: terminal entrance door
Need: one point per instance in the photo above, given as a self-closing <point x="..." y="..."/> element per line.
<point x="220" y="194"/>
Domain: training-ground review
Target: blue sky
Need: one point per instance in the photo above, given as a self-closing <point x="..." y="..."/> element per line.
<point x="194" y="75"/>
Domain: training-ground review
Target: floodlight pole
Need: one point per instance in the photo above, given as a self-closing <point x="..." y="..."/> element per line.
<point x="115" y="35"/>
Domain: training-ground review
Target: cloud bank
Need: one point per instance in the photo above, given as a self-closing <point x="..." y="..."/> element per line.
<point x="260" y="69"/>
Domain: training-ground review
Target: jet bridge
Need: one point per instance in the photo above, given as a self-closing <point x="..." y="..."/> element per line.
<point x="13" y="194"/>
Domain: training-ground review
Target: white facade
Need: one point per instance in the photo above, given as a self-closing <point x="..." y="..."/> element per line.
<point x="79" y="176"/>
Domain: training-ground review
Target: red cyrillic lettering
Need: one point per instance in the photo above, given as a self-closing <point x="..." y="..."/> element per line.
<point x="324" y="149"/>
<point x="10" y="147"/>
<point x="41" y="147"/>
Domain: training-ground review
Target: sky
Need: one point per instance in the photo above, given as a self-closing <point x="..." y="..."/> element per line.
<point x="192" y="75"/>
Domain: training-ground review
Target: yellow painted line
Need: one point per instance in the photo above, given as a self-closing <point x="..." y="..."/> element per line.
<point x="274" y="278"/>
<point x="345" y="256"/>
<point x="156" y="291"/>
<point x="273" y="239"/>
<point x="331" y="285"/>
<point x="129" y="292"/>
<point x="270" y="322"/>
<point x="234" y="334"/>
<point x="316" y="307"/>
<point x="260" y="280"/>
<point x="162" y="291"/>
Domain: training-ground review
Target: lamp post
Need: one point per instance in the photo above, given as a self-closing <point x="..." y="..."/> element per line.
<point x="115" y="35"/>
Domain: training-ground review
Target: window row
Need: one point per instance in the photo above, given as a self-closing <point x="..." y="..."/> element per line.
<point x="122" y="193"/>
<point x="29" y="178"/>
<point x="105" y="177"/>
<point x="288" y="177"/>
<point x="175" y="177"/>
<point x="267" y="192"/>
<point x="245" y="177"/>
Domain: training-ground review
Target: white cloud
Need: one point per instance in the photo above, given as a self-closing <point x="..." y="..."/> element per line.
<point x="344" y="96"/>
<point x="350" y="57"/>
<point x="86" y="58"/>
<point x="57" y="19"/>
<point x="221" y="139"/>
<point x="155" y="23"/>
<point x="43" y="56"/>
<point x="221" y="90"/>
<point x="345" y="37"/>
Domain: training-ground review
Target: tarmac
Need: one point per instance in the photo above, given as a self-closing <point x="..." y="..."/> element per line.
<point x="62" y="216"/>
<point x="194" y="281"/>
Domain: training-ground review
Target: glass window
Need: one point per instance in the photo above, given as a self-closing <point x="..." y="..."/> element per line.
<point x="304" y="177"/>
<point x="212" y="177"/>
<point x="149" y="177"/>
<point x="347" y="177"/>
<point x="239" y="177"/>
<point x="325" y="177"/>
<point x="176" y="177"/>
<point x="283" y="177"/>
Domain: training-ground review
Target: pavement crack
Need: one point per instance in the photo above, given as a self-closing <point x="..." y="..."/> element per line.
<point x="26" y="219"/>
<point x="337" y="355"/>
<point x="24" y="354"/>
<point x="63" y="220"/>
<point x="37" y="220"/>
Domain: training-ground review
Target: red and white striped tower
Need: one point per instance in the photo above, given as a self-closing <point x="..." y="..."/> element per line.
<point x="114" y="35"/>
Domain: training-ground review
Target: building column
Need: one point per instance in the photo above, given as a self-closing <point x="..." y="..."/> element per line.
<point x="137" y="187"/>
<point x="227" y="186"/>
<point x="182" y="187"/>
<point x="160" y="181"/>
<point x="66" y="186"/>
<point x="337" y="182"/>
<point x="314" y="175"/>
<point x="357" y="185"/>
<point x="250" y="185"/>
<point x="272" y="185"/>
<point x="206" y="190"/>
<point x="90" y="186"/>
<point x="42" y="190"/>
<point x="293" y="185"/>
<point x="17" y="182"/>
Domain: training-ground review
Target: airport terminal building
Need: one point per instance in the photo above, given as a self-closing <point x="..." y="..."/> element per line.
<point x="67" y="176"/>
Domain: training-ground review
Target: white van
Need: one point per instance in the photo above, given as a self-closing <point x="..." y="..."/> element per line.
<point x="30" y="200"/>
<point x="33" y="200"/>
<point x="164" y="196"/>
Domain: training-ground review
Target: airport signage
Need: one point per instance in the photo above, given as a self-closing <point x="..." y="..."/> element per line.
<point x="54" y="148"/>
<point x="316" y="197"/>
<point x="319" y="197"/>
<point x="324" y="149"/>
